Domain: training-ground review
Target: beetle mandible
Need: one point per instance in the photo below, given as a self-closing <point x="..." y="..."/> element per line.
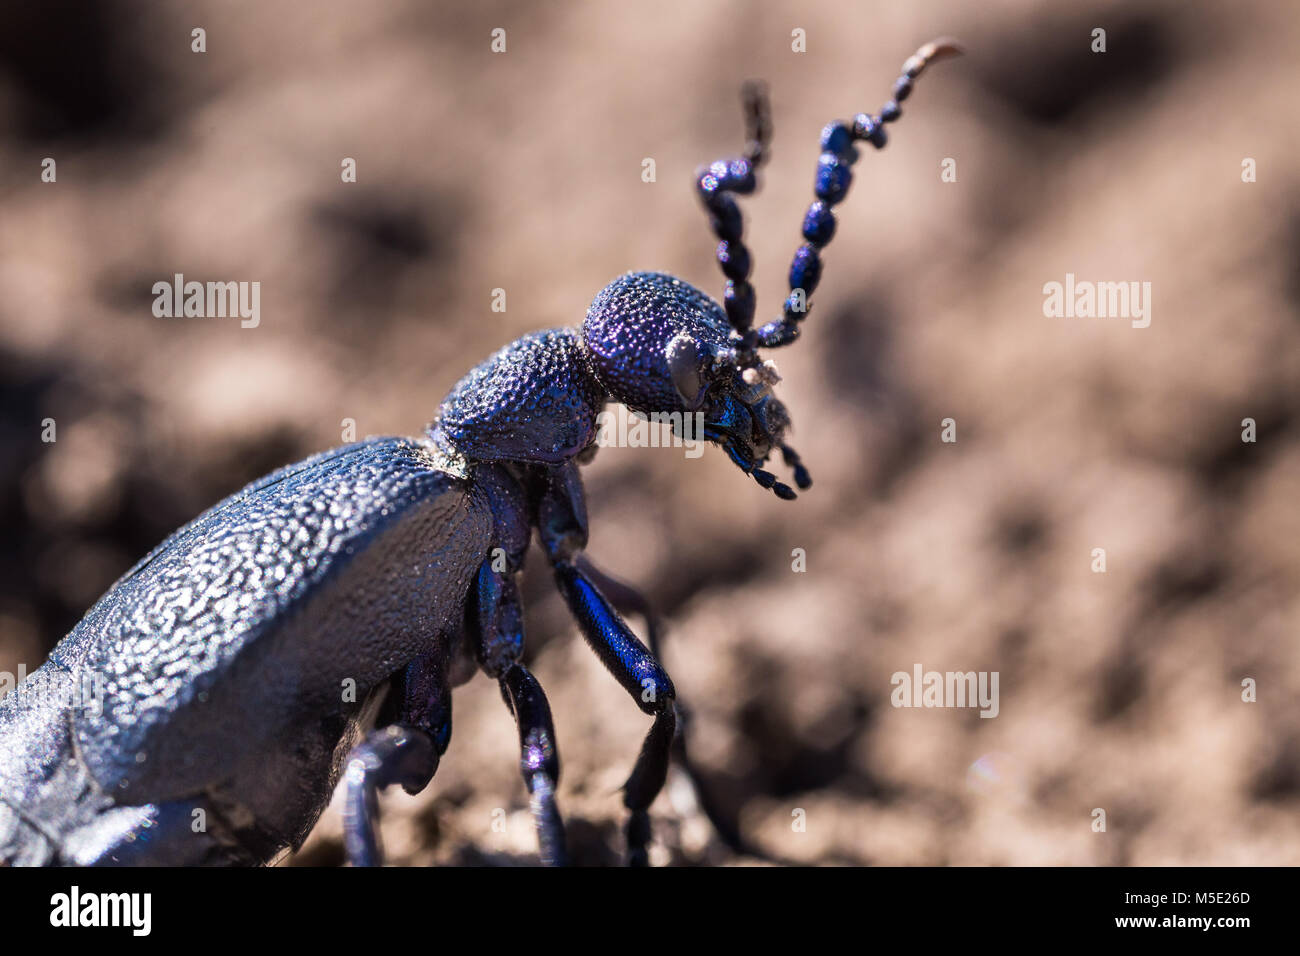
<point x="216" y="733"/>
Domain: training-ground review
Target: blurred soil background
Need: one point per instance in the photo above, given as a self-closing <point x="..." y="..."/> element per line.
<point x="522" y="171"/>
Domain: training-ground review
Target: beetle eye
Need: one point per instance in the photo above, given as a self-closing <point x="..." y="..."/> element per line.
<point x="684" y="367"/>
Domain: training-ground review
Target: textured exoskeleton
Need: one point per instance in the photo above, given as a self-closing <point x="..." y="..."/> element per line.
<point x="306" y="632"/>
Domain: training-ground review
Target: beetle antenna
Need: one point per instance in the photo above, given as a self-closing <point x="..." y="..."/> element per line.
<point x="714" y="184"/>
<point x="838" y="154"/>
<point x="758" y="120"/>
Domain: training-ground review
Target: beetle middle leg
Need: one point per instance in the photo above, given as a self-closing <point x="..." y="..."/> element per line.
<point x="500" y="643"/>
<point x="539" y="762"/>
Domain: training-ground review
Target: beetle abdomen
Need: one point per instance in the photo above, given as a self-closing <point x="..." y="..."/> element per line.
<point x="276" y="611"/>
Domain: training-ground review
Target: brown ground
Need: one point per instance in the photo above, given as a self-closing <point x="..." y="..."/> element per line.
<point x="522" y="171"/>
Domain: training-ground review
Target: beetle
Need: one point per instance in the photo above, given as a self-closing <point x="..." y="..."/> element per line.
<point x="217" y="731"/>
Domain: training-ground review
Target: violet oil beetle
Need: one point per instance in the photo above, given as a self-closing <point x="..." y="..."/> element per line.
<point x="392" y="563"/>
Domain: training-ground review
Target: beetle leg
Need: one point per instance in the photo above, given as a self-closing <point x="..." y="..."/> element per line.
<point x="636" y="669"/>
<point x="560" y="513"/>
<point x="499" y="643"/>
<point x="405" y="752"/>
<point x="392" y="754"/>
<point x="629" y="600"/>
<point x="539" y="761"/>
<point x="500" y="620"/>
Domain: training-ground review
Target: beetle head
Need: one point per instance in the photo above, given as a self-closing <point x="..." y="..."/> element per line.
<point x="658" y="344"/>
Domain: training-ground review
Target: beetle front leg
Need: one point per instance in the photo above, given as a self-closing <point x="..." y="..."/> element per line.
<point x="561" y="516"/>
<point x="635" y="668"/>
<point x="629" y="600"/>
